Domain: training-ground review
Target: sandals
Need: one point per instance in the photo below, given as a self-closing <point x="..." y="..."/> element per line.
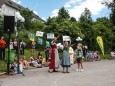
<point x="55" y="71"/>
<point x="50" y="71"/>
<point x="63" y="72"/>
<point x="67" y="72"/>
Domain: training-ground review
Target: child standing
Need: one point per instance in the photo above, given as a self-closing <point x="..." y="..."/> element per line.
<point x="79" y="55"/>
<point x="66" y="58"/>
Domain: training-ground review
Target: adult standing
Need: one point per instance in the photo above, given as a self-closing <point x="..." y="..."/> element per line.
<point x="11" y="44"/>
<point x="66" y="58"/>
<point x="15" y="44"/>
<point x="85" y="48"/>
<point x="47" y="53"/>
<point x="22" y="47"/>
<point x="54" y="56"/>
<point x="2" y="48"/>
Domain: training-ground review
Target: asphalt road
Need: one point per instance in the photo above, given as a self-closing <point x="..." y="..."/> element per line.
<point x="96" y="73"/>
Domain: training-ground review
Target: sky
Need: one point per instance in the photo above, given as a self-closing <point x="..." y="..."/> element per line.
<point x="49" y="8"/>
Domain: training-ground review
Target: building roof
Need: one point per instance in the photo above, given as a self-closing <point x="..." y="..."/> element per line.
<point x="11" y="4"/>
<point x="16" y="6"/>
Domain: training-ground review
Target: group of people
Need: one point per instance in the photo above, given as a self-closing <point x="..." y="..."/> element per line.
<point x="53" y="60"/>
<point x="92" y="55"/>
<point x="66" y="57"/>
<point x="69" y="55"/>
<point x="52" y="52"/>
<point x="14" y="45"/>
<point x="22" y="64"/>
<point x="36" y="62"/>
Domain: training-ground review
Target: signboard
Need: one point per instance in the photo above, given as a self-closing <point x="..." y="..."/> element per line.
<point x="50" y="35"/>
<point x="66" y="38"/>
<point x="39" y="33"/>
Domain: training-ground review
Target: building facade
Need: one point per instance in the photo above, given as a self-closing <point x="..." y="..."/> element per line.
<point x="9" y="8"/>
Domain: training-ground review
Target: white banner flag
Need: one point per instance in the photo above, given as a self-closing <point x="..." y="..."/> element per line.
<point x="50" y="35"/>
<point x="66" y="38"/>
<point x="39" y="33"/>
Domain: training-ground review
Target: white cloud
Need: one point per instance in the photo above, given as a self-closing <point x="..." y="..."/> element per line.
<point x="18" y="2"/>
<point x="44" y="18"/>
<point x="71" y="2"/>
<point x="54" y="12"/>
<point x="94" y="6"/>
<point x="35" y="12"/>
<point x="76" y="7"/>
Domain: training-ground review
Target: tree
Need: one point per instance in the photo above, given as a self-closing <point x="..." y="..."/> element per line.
<point x="27" y="14"/>
<point x="37" y="26"/>
<point x="1" y="25"/>
<point x="86" y="16"/>
<point x="100" y="29"/>
<point x="107" y="31"/>
<point x="73" y="19"/>
<point x="51" y="25"/>
<point x="63" y="13"/>
<point x="62" y="24"/>
<point x="111" y="6"/>
<point x="85" y="23"/>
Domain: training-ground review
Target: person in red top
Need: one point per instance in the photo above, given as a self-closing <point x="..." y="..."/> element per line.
<point x="2" y="48"/>
<point x="54" y="55"/>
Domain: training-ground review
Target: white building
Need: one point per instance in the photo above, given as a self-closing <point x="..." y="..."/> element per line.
<point x="8" y="7"/>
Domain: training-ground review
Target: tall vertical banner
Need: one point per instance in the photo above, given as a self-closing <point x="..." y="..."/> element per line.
<point x="100" y="42"/>
<point x="40" y="41"/>
<point x="48" y="43"/>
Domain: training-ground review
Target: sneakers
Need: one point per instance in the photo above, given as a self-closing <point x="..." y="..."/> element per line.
<point x="78" y="70"/>
<point x="82" y="70"/>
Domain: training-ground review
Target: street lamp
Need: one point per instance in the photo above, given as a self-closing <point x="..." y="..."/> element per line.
<point x="19" y="20"/>
<point x="19" y="17"/>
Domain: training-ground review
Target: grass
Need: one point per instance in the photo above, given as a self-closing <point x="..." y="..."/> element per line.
<point x="28" y="53"/>
<point x="3" y="66"/>
<point x="106" y="56"/>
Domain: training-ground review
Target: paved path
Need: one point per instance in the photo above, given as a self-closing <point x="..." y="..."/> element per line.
<point x="97" y="73"/>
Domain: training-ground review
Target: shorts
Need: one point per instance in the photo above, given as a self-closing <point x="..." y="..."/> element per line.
<point x="33" y="47"/>
<point x="79" y="60"/>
